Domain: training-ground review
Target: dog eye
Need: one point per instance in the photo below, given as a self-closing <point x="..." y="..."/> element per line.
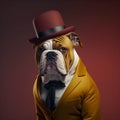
<point x="63" y="49"/>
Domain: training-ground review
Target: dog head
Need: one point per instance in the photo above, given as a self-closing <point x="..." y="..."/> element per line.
<point x="56" y="56"/>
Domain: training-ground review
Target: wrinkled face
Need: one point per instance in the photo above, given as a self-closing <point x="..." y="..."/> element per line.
<point x="55" y="57"/>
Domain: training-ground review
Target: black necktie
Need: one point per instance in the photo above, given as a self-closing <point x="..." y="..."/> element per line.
<point x="51" y="87"/>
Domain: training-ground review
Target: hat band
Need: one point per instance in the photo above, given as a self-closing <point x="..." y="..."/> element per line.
<point x="50" y="31"/>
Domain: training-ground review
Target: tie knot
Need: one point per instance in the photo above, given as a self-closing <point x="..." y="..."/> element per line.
<point x="54" y="84"/>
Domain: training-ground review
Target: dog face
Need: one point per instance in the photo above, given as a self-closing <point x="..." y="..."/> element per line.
<point x="55" y="56"/>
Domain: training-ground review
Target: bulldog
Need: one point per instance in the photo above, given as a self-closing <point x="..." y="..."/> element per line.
<point x="57" y="60"/>
<point x="63" y="89"/>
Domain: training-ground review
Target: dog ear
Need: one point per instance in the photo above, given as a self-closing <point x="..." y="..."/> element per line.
<point x="75" y="39"/>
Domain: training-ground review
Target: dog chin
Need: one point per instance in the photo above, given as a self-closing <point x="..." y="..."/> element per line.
<point x="52" y="74"/>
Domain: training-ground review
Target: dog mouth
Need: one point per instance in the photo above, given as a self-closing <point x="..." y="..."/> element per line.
<point x="52" y="73"/>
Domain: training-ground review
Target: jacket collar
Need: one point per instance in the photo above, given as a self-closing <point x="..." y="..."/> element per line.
<point x="81" y="69"/>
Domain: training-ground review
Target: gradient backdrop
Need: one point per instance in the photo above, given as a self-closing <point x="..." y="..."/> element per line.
<point x="98" y="24"/>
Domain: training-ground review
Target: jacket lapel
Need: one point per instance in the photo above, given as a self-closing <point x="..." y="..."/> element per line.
<point x="79" y="72"/>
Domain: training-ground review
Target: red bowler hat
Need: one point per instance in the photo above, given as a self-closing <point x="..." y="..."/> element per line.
<point x="49" y="25"/>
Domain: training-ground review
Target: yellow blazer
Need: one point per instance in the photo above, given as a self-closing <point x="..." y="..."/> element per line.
<point x="80" y="101"/>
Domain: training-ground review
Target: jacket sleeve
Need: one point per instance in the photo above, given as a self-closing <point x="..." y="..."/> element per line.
<point x="39" y="113"/>
<point x="91" y="101"/>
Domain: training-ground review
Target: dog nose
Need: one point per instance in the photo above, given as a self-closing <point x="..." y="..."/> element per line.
<point x="51" y="56"/>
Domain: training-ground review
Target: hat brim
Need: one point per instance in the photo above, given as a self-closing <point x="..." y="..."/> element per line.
<point x="37" y="41"/>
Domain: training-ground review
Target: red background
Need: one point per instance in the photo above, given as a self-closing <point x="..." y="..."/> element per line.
<point x="98" y="24"/>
